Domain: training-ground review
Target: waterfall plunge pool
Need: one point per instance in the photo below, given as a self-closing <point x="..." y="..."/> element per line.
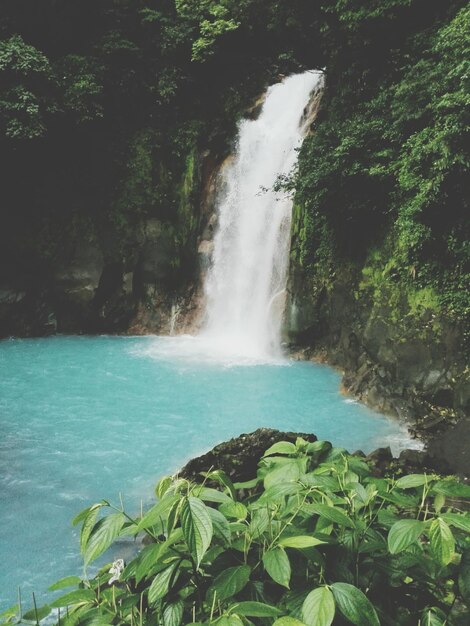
<point x="82" y="419"/>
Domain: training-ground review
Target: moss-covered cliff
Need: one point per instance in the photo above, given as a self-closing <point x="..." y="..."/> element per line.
<point x="380" y="255"/>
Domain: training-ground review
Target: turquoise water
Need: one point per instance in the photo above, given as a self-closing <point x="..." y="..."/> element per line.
<point x="83" y="419"/>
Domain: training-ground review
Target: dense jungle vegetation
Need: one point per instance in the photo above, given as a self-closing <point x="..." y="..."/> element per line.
<point x="104" y="104"/>
<point x="383" y="179"/>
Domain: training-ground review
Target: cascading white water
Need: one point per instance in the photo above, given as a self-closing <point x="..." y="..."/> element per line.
<point x="245" y="286"/>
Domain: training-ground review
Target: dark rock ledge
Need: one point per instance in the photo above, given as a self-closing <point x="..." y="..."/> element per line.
<point x="444" y="432"/>
<point x="239" y="457"/>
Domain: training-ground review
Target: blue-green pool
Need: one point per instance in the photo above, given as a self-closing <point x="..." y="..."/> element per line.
<point x="84" y="418"/>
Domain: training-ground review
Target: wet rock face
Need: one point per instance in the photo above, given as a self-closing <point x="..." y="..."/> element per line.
<point x="75" y="284"/>
<point x="96" y="288"/>
<point x="410" y="367"/>
<point x="144" y="276"/>
<point x="452" y="448"/>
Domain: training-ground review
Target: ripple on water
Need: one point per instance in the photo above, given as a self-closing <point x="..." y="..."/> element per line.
<point x="83" y="419"/>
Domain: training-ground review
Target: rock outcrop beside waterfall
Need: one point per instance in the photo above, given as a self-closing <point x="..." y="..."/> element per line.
<point x="141" y="279"/>
<point x="408" y="366"/>
<point x="239" y="457"/>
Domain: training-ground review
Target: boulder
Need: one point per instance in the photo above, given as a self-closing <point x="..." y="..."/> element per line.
<point x="239" y="457"/>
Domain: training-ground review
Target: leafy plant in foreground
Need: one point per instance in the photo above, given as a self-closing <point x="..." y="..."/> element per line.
<point x="315" y="539"/>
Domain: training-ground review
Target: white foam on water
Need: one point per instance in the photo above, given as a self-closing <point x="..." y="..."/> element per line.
<point x="246" y="285"/>
<point x="205" y="349"/>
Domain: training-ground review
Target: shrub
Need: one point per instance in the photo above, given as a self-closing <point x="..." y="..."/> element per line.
<point x="316" y="539"/>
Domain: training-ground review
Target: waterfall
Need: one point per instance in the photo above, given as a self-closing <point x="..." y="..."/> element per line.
<point x="246" y="284"/>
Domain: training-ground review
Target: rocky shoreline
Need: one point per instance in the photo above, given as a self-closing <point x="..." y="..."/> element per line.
<point x="239" y="456"/>
<point x="445" y="435"/>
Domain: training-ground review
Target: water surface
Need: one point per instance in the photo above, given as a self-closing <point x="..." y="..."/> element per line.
<point x="83" y="419"/>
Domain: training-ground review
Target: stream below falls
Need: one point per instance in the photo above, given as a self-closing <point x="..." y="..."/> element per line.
<point x="82" y="419"/>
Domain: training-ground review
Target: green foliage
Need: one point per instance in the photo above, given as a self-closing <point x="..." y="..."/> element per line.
<point x="214" y="21"/>
<point x="318" y="541"/>
<point x="26" y="79"/>
<point x="389" y="153"/>
<point x="82" y="87"/>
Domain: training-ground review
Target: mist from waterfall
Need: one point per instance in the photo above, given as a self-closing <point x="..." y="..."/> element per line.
<point x="246" y="284"/>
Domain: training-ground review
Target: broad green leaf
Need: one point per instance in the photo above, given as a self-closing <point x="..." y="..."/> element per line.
<point x="103" y="535"/>
<point x="403" y="533"/>
<point x="358" y="465"/>
<point x="38" y="614"/>
<point x="91" y="617"/>
<point x="129" y="600"/>
<point x="433" y="617"/>
<point x="153" y="558"/>
<point x="88" y="524"/>
<point x="212" y="495"/>
<point x="350" y="479"/>
<point x="276" y="563"/>
<point x="83" y="514"/>
<point x="277" y="493"/>
<point x="237" y="527"/>
<point x="248" y="484"/>
<point x="213" y="552"/>
<point x="360" y="494"/>
<point x="174" y="513"/>
<point x="301" y="444"/>
<point x="63" y="583"/>
<point x="300" y="541"/>
<point x="288" y="621"/>
<point x="255" y="609"/>
<point x="281" y="447"/>
<point x="439" y="502"/>
<point x="412" y="480"/>
<point x="234" y="510"/>
<point x="259" y="522"/>
<point x="318" y="608"/>
<point x="10" y="615"/>
<point x="161" y="583"/>
<point x="330" y="513"/>
<point x="163" y="486"/>
<point x="294" y="601"/>
<point x="442" y="541"/>
<point x="387" y="518"/>
<point x="459" y="521"/>
<point x="452" y="488"/>
<point x="197" y="527"/>
<point x="220" y="525"/>
<point x="354" y="605"/>
<point x="173" y="613"/>
<point x="158" y="513"/>
<point x="147" y="560"/>
<point x="221" y="477"/>
<point x="79" y="596"/>
<point x="318" y="448"/>
<point x="289" y="472"/>
<point x="403" y="500"/>
<point x="229" y="582"/>
<point x="326" y="483"/>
